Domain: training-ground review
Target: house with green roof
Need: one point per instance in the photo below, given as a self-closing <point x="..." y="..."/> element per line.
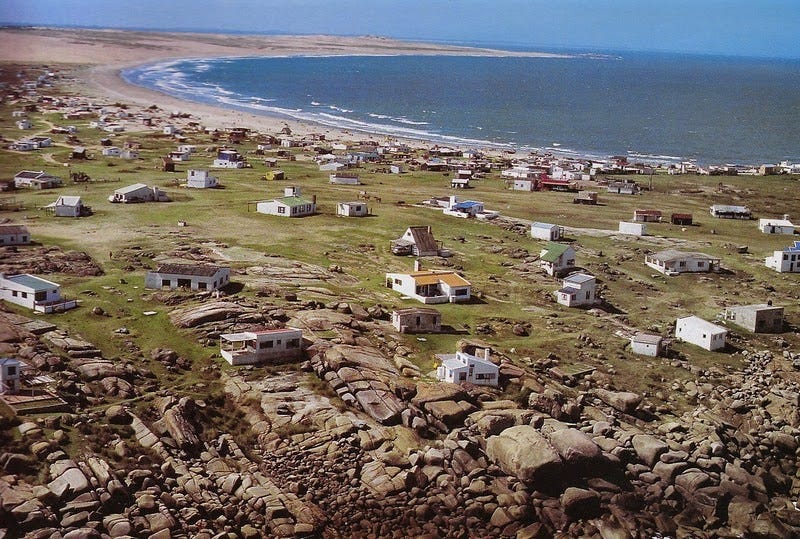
<point x="35" y="293"/>
<point x="291" y="204"/>
<point x="556" y="258"/>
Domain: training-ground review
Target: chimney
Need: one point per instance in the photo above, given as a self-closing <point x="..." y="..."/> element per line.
<point x="313" y="199"/>
<point x="417" y="265"/>
<point x="291" y="191"/>
<point x="786" y="216"/>
<point x="486" y="353"/>
<point x="453" y="201"/>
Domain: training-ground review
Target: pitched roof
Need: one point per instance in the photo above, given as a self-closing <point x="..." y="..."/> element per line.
<point x="671" y="254"/>
<point x="293" y="201"/>
<point x="13" y="229"/>
<point x="647" y="338"/>
<point x="553" y="251"/>
<point x="131" y="188"/>
<point x="31" y="174"/>
<point x="68" y="200"/>
<point x="423" y="238"/>
<point x="703" y="324"/>
<point x="199" y="270"/>
<point x="450" y="278"/>
<point x="31" y="281"/>
<point x="547" y="226"/>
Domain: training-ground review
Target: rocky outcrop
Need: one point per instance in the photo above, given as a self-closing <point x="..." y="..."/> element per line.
<point x="525" y="453"/>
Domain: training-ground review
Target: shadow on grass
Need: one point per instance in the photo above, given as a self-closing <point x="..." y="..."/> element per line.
<point x="450" y="330"/>
<point x="233" y="288"/>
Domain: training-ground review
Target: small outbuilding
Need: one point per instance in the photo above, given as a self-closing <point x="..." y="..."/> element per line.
<point x="557" y="257"/>
<point x="577" y="289"/>
<point x="35" y="293"/>
<point x="138" y="192"/>
<point x="69" y="206"/>
<point x="776" y="226"/>
<point x="352" y="209"/>
<point x="647" y="344"/>
<point x="14" y="235"/>
<point x="632" y="229"/>
<point x="547" y="231"/>
<point x="684" y="219"/>
<point x="417" y="320"/>
<point x="725" y="211"/>
<point x="200" y="179"/>
<point x="759" y="318"/>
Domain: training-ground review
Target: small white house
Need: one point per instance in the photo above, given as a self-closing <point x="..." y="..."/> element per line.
<point x="270" y="345"/>
<point x="557" y="257"/>
<point x="672" y="262"/>
<point x="632" y="229"/>
<point x="459" y="183"/>
<point x="289" y="205"/>
<point x="199" y="179"/>
<point x="34" y="293"/>
<point x="9" y="376"/>
<point x="24" y="124"/>
<point x="462" y="367"/>
<point x="776" y="226"/>
<point x="138" y="192"/>
<point x="14" y="235"/>
<point x="417" y="320"/>
<point x="228" y="159"/>
<point x="647" y="344"/>
<point x="699" y="332"/>
<point x="546" y="231"/>
<point x="464" y="209"/>
<point x="430" y="286"/>
<point x="345" y="178"/>
<point x="35" y="179"/>
<point x="577" y="289"/>
<point x="112" y="151"/>
<point x="786" y="260"/>
<point x="68" y="206"/>
<point x="191" y="276"/>
<point x="352" y="209"/>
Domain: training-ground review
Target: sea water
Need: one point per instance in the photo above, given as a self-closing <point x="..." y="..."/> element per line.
<point x="648" y="106"/>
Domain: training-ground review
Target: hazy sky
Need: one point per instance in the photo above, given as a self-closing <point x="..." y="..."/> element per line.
<point x="731" y="27"/>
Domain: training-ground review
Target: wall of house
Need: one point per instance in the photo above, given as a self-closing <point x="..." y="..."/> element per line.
<point x="67" y="211"/>
<point x="699" y="336"/>
<point x="20" y="295"/>
<point x="285" y="346"/>
<point x="154" y="280"/>
<point x="14" y="239"/>
<point x="644" y="349"/>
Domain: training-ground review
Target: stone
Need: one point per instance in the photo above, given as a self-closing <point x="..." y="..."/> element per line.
<point x="648" y="448"/>
<point x="576" y="449"/>
<point x="580" y="503"/>
<point x="117" y="415"/>
<point x="523" y="452"/>
<point x="72" y="481"/>
<point x="624" y="401"/>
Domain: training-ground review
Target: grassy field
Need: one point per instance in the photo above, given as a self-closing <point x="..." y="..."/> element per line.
<point x="484" y="252"/>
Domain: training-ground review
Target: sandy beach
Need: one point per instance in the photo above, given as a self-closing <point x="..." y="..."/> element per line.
<point x="101" y="55"/>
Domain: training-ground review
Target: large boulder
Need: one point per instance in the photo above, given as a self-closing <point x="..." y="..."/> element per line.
<point x="576" y="449"/>
<point x="523" y="452"/>
<point x="649" y="448"/>
<point x="624" y="401"/>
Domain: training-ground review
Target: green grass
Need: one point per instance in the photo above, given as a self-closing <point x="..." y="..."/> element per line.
<point x="360" y="247"/>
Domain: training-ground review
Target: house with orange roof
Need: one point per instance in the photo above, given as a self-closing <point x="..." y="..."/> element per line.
<point x="430" y="286"/>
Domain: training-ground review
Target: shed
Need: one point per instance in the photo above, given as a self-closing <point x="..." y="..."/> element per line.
<point x="352" y="209"/>
<point x="632" y="229"/>
<point x="417" y="320"/>
<point x="647" y="344"/>
<point x="699" y="332"/>
<point x="759" y="318"/>
<point x="546" y="231"/>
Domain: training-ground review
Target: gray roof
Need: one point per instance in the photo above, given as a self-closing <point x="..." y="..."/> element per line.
<point x="199" y="270"/>
<point x="31" y="281"/>
<point x="578" y="278"/>
<point x="13" y="229"/>
<point x="647" y="338"/>
<point x="671" y="254"/>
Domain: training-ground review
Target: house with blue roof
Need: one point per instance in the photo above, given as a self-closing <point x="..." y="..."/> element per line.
<point x="35" y="293"/>
<point x="786" y="260"/>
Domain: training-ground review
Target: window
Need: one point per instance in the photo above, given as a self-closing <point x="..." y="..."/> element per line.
<point x="681" y="264"/>
<point x="11" y="371"/>
<point x="165" y="282"/>
<point x="24" y="238"/>
<point x="266" y="344"/>
<point x="293" y="343"/>
<point x="461" y="291"/>
<point x="278" y="342"/>
<point x="14" y="293"/>
<point x="701" y="264"/>
<point x="462" y="376"/>
<point x="281" y="209"/>
<point x="398" y="281"/>
<point x="588" y="295"/>
<point x="704" y="335"/>
<point x="24" y="294"/>
<point x="419" y="321"/>
<point x="202" y="286"/>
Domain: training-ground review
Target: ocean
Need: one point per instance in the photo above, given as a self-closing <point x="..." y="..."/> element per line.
<point x="651" y="107"/>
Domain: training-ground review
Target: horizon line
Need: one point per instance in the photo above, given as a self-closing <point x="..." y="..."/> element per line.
<point x="453" y="42"/>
